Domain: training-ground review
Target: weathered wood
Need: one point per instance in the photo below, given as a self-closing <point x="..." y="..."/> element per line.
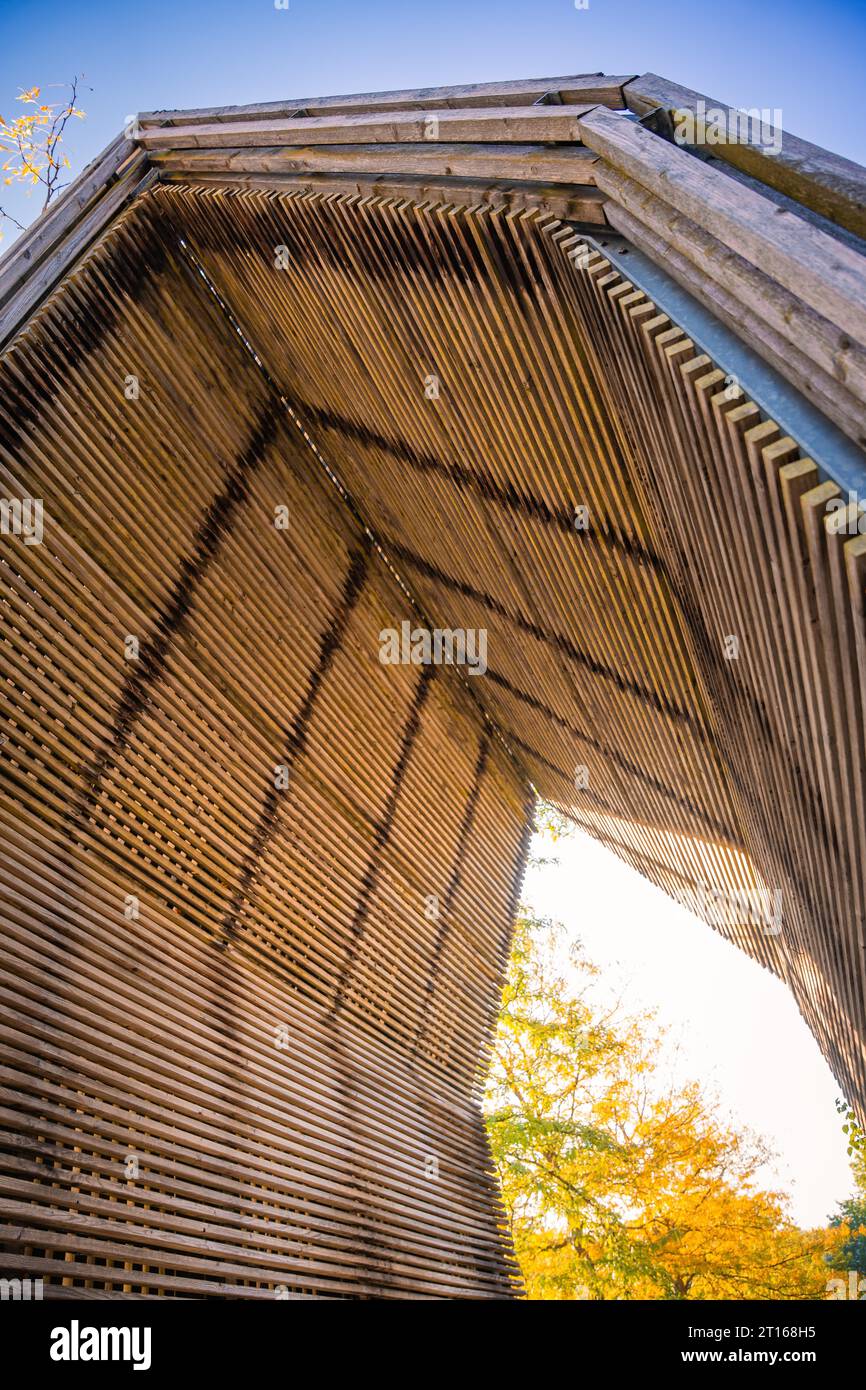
<point x="25" y="252"/>
<point x="262" y="1163"/>
<point x="120" y="161"/>
<point x="519" y="125"/>
<point x="55" y="252"/>
<point x="827" y="275"/>
<point x="341" y="282"/>
<point x="521" y="163"/>
<point x="587" y="89"/>
<point x="830" y="348"/>
<point x="825" y="182"/>
<point x="575" y="203"/>
<point x="278" y="999"/>
<point x="790" y="360"/>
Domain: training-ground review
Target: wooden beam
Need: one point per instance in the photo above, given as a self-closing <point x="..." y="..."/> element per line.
<point x="118" y="160"/>
<point x="824" y="273"/>
<point x="792" y="362"/>
<point x="571" y="203"/>
<point x="509" y="123"/>
<point x="817" y="178"/>
<point x="829" y="349"/>
<point x="524" y="163"/>
<point x="67" y="244"/>
<point x="587" y="88"/>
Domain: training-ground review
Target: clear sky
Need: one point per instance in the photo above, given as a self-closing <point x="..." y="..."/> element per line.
<point x="804" y="58"/>
<point x="735" y="1026"/>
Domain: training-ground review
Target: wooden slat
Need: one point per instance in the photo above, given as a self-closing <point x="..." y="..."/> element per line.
<point x="570" y="202"/>
<point x="282" y="1036"/>
<point x="577" y="389"/>
<point x="301" y="1163"/>
<point x="66" y="209"/>
<point x="750" y="318"/>
<point x="785" y="313"/>
<point x="827" y="275"/>
<point x="55" y="244"/>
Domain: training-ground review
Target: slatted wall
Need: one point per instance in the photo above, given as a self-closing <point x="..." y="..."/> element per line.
<point x="241" y="1057"/>
<point x="693" y="651"/>
<point x="257" y="887"/>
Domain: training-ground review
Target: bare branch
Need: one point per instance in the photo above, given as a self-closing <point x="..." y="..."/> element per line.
<point x="14" y="220"/>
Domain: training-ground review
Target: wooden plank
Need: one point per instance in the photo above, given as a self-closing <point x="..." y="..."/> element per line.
<point x="281" y="1036"/>
<point x="303" y="1164"/>
<point x="519" y="163"/>
<point x="827" y="275"/>
<point x="788" y="358"/>
<point x="831" y="350"/>
<point x="48" y="230"/>
<point x="68" y="241"/>
<point x="575" y="203"/>
<point x="519" y="125"/>
<point x="588" y="89"/>
<point x="825" y="182"/>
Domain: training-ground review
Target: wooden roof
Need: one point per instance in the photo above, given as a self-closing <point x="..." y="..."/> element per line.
<point x="633" y="473"/>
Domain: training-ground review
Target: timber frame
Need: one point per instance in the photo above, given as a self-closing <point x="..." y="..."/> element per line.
<point x="261" y="885"/>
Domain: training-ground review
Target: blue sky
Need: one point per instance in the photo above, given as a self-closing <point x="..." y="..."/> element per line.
<point x="736" y="1025"/>
<point x="804" y="58"/>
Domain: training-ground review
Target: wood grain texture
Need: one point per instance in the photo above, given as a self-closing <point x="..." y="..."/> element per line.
<point x="481" y="163"/>
<point x="241" y="1052"/>
<point x="281" y="1040"/>
<point x="585" y="89"/>
<point x="825" y="182"/>
<point x="513" y="124"/>
<point x="570" y="202"/>
<point x="826" y="274"/>
<point x="562" y="385"/>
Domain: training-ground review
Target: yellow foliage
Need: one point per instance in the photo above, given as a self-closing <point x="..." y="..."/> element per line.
<point x="29" y="142"/>
<point x="617" y="1186"/>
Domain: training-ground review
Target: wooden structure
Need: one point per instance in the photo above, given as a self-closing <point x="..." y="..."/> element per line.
<point x="504" y="358"/>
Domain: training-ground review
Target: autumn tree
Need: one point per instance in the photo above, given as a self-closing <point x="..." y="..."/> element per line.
<point x="850" y="1216"/>
<point x="617" y="1186"/>
<point x="30" y="143"/>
